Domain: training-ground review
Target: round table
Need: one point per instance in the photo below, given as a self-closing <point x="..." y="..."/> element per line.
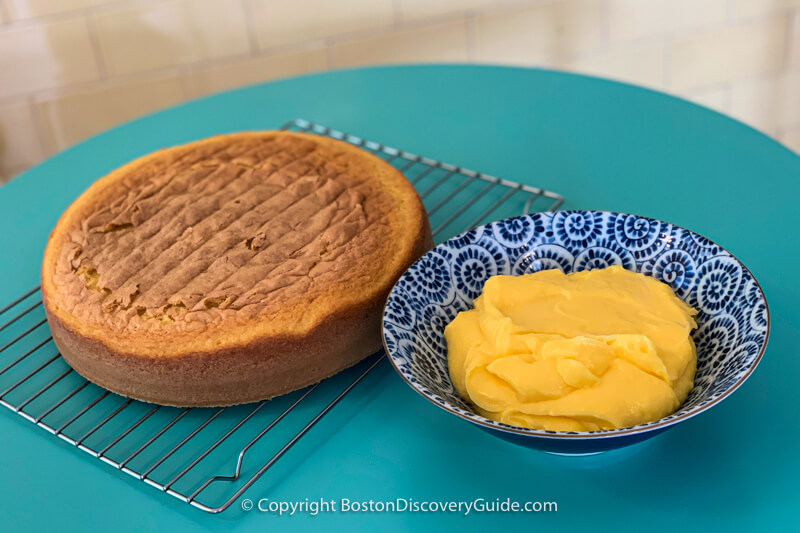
<point x="602" y="145"/>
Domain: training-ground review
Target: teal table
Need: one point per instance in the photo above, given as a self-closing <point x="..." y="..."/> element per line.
<point x="602" y="145"/>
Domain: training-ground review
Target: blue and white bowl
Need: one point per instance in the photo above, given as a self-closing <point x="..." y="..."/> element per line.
<point x="733" y="320"/>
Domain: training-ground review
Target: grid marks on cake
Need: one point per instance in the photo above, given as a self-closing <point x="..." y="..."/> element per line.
<point x="309" y="190"/>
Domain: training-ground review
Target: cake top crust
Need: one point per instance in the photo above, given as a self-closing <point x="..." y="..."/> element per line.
<point x="259" y="233"/>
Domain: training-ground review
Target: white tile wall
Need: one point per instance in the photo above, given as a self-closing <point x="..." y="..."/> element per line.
<point x="20" y="145"/>
<point x="25" y="9"/>
<point x="281" y="23"/>
<point x="74" y="116"/>
<point x="794" y="40"/>
<point x="426" y="9"/>
<point x="767" y="102"/>
<point x="544" y="34"/>
<point x="644" y="64"/>
<point x="441" y="42"/>
<point x="721" y="55"/>
<point x="791" y="138"/>
<point x="80" y="66"/>
<point x="746" y="9"/>
<point x="635" y="19"/>
<point x="230" y="74"/>
<point x="41" y="56"/>
<point x="157" y="35"/>
<point x="717" y="98"/>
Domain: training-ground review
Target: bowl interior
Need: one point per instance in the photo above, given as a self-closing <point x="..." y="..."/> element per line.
<point x="732" y="321"/>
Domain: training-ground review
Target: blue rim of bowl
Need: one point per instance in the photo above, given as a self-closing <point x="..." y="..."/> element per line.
<point x="604" y="434"/>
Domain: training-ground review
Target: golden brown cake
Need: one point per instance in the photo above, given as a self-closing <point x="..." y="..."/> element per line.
<point x="231" y="269"/>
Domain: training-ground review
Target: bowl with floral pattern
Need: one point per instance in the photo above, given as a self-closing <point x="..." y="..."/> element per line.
<point x="733" y="319"/>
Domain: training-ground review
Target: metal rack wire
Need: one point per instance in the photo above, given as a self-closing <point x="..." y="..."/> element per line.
<point x="209" y="457"/>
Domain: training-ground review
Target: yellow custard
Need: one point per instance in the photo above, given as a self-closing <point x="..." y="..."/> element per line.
<point x="599" y="349"/>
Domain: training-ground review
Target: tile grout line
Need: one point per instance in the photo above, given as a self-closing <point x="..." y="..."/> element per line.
<point x="605" y="27"/>
<point x="787" y="39"/>
<point x="42" y="127"/>
<point x="5" y="14"/>
<point x="183" y="81"/>
<point x="97" y="48"/>
<point x="397" y="11"/>
<point x="727" y="98"/>
<point x="730" y="12"/>
<point x="668" y="43"/>
<point x="793" y="16"/>
<point x="472" y="43"/>
<point x="727" y="91"/>
<point x="74" y="13"/>
<point x="252" y="36"/>
<point x="330" y="54"/>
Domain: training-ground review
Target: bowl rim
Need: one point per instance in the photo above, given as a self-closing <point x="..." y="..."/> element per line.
<point x="586" y="435"/>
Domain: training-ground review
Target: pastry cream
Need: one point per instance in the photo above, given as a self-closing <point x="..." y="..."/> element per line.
<point x="599" y="349"/>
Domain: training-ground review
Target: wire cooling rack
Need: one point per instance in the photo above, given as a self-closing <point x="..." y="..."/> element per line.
<point x="208" y="457"/>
